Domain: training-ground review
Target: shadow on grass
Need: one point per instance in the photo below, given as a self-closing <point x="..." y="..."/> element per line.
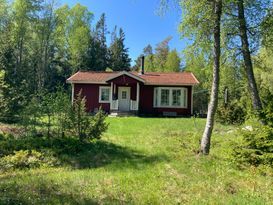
<point x="80" y="155"/>
<point x="41" y="192"/>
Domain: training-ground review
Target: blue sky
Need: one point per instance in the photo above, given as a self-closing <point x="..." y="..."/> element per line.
<point x="139" y="21"/>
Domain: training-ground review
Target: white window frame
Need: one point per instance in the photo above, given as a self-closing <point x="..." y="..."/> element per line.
<point x="157" y="97"/>
<point x="100" y="93"/>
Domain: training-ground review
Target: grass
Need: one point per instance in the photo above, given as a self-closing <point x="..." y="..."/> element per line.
<point x="142" y="161"/>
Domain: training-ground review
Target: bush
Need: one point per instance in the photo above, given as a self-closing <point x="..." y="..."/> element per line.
<point x="84" y="126"/>
<point x="233" y="113"/>
<point x="23" y="159"/>
<point x="267" y="114"/>
<point x="31" y="115"/>
<point x="55" y="115"/>
<point x="98" y="125"/>
<point x="256" y="147"/>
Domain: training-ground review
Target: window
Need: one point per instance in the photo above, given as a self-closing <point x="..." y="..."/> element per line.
<point x="104" y="95"/>
<point x="165" y="96"/>
<point x="176" y="95"/>
<point x="124" y="95"/>
<point x="170" y="97"/>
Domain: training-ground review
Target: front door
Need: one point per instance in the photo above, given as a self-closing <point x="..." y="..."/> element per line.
<point x="124" y="98"/>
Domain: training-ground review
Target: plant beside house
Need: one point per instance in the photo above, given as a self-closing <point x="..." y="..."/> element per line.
<point x="54" y="131"/>
<point x="84" y="126"/>
<point x="55" y="116"/>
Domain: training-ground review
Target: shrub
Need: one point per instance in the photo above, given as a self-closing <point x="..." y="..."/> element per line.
<point x="84" y="126"/>
<point x="23" y="159"/>
<point x="256" y="147"/>
<point x="267" y="114"/>
<point x="31" y="115"/>
<point x="98" y="125"/>
<point x="233" y="113"/>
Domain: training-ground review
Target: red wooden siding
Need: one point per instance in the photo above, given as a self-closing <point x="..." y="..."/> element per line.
<point x="91" y="93"/>
<point x="147" y="101"/>
<point x="125" y="81"/>
<point x="146" y="98"/>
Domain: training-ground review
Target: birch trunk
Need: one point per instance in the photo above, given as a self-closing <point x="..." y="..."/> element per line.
<point x="206" y="138"/>
<point x="256" y="101"/>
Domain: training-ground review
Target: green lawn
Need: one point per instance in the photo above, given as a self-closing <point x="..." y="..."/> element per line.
<point x="144" y="161"/>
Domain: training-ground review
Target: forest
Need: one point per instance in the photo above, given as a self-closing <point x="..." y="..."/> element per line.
<point x="42" y="43"/>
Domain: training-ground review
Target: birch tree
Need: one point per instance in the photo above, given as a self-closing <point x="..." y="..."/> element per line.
<point x="217" y="12"/>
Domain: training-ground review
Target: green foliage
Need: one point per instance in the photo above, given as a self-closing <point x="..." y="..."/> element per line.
<point x="73" y="34"/>
<point x="267" y="114"/>
<point x="53" y="115"/>
<point x="173" y="62"/>
<point x="31" y="115"/>
<point x="197" y="22"/>
<point x="232" y="113"/>
<point x="256" y="147"/>
<point x="161" y="54"/>
<point x="98" y="125"/>
<point x="26" y="159"/>
<point x="99" y="47"/>
<point x="163" y="60"/>
<point x="62" y="109"/>
<point x="78" y="118"/>
<point x="149" y="63"/>
<point x="82" y="124"/>
<point x="119" y="57"/>
<point x="264" y="73"/>
<point x="3" y="103"/>
<point x="267" y="32"/>
<point x="41" y="45"/>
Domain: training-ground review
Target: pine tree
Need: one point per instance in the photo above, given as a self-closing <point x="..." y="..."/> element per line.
<point x="137" y="65"/>
<point x="98" y="51"/>
<point x="119" y="57"/>
<point x="148" y="50"/>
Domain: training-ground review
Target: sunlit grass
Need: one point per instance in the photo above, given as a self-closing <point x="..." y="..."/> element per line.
<point x="150" y="161"/>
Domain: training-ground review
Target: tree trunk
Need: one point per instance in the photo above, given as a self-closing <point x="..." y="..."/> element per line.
<point x="256" y="101"/>
<point x="205" y="143"/>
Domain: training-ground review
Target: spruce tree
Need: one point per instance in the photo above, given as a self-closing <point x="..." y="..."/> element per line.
<point x="119" y="57"/>
<point x="100" y="47"/>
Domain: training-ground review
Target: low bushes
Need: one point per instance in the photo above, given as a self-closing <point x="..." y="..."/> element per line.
<point x="256" y="147"/>
<point x="53" y="115"/>
<point x="53" y="129"/>
<point x="233" y="113"/>
<point x="23" y="159"/>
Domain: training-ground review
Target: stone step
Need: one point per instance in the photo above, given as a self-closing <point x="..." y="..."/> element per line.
<point x="121" y="114"/>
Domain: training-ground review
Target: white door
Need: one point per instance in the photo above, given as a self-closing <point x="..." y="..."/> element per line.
<point x="124" y="98"/>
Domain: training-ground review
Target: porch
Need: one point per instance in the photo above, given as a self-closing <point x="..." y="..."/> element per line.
<point x="124" y="95"/>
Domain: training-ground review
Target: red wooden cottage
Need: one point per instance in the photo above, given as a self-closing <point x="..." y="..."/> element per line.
<point x="148" y="93"/>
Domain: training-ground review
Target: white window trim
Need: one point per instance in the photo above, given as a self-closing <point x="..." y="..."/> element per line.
<point x="158" y="97"/>
<point x="100" y="92"/>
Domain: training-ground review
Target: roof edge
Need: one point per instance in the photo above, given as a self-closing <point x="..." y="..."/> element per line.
<point x="128" y="74"/>
<point x="195" y="78"/>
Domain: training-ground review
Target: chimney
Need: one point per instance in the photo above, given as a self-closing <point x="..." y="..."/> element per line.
<point x="142" y="64"/>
